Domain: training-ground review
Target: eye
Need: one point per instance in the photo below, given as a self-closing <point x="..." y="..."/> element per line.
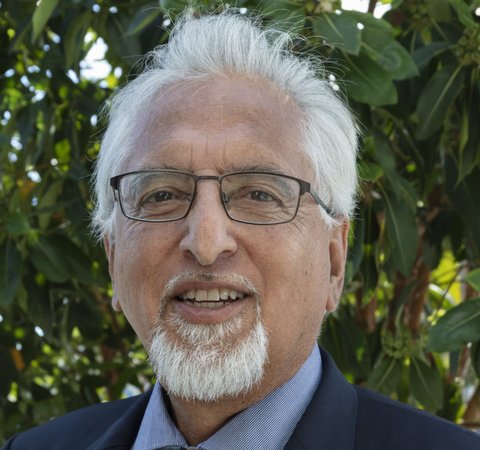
<point x="260" y="196"/>
<point x="254" y="194"/>
<point x="159" y="196"/>
<point x="162" y="196"/>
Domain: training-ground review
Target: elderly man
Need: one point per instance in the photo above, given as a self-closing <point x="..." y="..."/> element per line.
<point x="224" y="186"/>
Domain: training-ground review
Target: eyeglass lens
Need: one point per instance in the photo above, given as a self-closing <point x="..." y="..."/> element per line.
<point x="247" y="197"/>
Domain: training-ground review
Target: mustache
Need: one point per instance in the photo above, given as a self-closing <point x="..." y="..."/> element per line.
<point x="237" y="280"/>
<point x="172" y="285"/>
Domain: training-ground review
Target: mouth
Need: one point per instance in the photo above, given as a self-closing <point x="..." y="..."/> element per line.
<point x="210" y="298"/>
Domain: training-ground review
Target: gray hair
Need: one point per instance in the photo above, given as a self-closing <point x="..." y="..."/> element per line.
<point x="219" y="46"/>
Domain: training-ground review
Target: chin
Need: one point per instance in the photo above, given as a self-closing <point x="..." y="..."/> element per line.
<point x="206" y="362"/>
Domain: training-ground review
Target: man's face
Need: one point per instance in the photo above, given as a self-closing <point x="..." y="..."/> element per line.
<point x="210" y="128"/>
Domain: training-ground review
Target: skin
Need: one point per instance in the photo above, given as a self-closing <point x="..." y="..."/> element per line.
<point x="209" y="128"/>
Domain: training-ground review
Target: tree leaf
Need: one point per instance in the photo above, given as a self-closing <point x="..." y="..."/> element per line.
<point x="470" y="135"/>
<point x="368" y="82"/>
<point x="379" y="43"/>
<point x="40" y="17"/>
<point x="463" y="12"/>
<point x="127" y="48"/>
<point x="475" y="357"/>
<point x="21" y="33"/>
<point x="178" y="5"/>
<point x="369" y="171"/>
<point x="423" y="55"/>
<point x="378" y="40"/>
<point x="340" y="30"/>
<point x="368" y="20"/>
<point x="465" y="199"/>
<point x="456" y="328"/>
<point x="436" y="97"/>
<point x="473" y="279"/>
<point x="10" y="271"/>
<point x="385" y="375"/>
<point x="144" y="16"/>
<point x="369" y="277"/>
<point x="347" y="343"/>
<point x="355" y="249"/>
<point x="48" y="259"/>
<point x="393" y="58"/>
<point x="38" y="303"/>
<point x="16" y="224"/>
<point x="85" y="315"/>
<point x="384" y="154"/>
<point x="48" y="203"/>
<point x="59" y="259"/>
<point x="401" y="230"/>
<point x="74" y="39"/>
<point x="8" y="373"/>
<point x="287" y="14"/>
<point x="426" y="384"/>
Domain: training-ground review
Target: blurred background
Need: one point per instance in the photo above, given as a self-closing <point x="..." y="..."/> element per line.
<point x="409" y="321"/>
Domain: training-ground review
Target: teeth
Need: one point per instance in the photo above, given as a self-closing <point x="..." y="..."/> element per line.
<point x="208" y="305"/>
<point x="200" y="295"/>
<point x="215" y="296"/>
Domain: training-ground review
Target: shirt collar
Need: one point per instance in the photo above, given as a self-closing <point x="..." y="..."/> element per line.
<point x="270" y="421"/>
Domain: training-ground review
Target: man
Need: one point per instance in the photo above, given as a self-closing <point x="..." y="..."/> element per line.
<point x="224" y="186"/>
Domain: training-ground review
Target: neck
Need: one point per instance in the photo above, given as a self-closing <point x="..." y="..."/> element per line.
<point x="197" y="421"/>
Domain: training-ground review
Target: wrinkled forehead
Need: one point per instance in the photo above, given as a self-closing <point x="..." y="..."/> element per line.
<point x="240" y="109"/>
<point x="231" y="95"/>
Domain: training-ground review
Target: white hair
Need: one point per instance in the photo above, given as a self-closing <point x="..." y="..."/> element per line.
<point x="221" y="46"/>
<point x="208" y="362"/>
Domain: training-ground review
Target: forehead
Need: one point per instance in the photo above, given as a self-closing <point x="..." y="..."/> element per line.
<point x="221" y="124"/>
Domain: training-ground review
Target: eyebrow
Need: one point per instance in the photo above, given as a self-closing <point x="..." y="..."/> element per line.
<point x="242" y="168"/>
<point x="258" y="168"/>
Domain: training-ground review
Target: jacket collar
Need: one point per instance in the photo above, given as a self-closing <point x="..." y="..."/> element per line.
<point x="122" y="433"/>
<point x="330" y="418"/>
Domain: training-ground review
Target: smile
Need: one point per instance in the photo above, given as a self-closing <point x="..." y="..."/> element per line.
<point x="210" y="298"/>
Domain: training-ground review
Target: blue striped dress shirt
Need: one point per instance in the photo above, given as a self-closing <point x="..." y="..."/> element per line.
<point x="266" y="425"/>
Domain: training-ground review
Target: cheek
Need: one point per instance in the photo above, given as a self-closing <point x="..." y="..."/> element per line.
<point x="137" y="281"/>
<point x="296" y="292"/>
<point x="141" y="258"/>
<point x="293" y="310"/>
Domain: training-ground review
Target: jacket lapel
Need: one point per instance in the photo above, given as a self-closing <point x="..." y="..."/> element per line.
<point x="328" y="422"/>
<point x="330" y="418"/>
<point x="122" y="433"/>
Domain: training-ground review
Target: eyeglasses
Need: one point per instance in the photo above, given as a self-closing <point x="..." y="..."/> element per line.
<point x="261" y="198"/>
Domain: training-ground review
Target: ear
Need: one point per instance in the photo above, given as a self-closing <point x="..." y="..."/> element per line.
<point x="338" y="250"/>
<point x="109" y="244"/>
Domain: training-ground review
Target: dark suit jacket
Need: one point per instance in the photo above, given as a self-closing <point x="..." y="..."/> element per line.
<point x="339" y="417"/>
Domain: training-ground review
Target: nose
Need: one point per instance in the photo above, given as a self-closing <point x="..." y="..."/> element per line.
<point x="208" y="234"/>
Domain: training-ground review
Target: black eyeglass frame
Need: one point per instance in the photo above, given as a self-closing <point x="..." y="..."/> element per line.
<point x="305" y="187"/>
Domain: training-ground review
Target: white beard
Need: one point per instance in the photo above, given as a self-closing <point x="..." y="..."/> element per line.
<point x="207" y="362"/>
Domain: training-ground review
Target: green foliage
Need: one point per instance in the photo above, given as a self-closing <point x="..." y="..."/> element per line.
<point x="408" y="321"/>
<point x="473" y="279"/>
<point x="456" y="328"/>
<point x="426" y="384"/>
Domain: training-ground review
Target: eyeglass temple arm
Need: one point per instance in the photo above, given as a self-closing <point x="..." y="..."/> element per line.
<point x="114" y="182"/>
<point x="306" y="187"/>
